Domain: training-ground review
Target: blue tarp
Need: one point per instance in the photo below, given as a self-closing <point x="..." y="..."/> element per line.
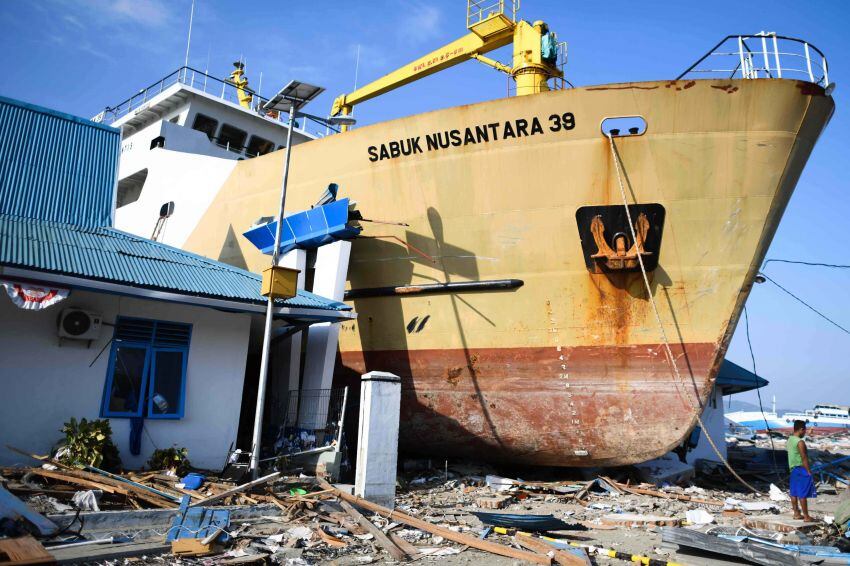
<point x="308" y="229"/>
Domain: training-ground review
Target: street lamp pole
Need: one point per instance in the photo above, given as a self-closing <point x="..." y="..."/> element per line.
<point x="267" y="332"/>
<point x="291" y="98"/>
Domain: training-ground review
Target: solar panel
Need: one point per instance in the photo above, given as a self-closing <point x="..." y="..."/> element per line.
<point x="295" y="94"/>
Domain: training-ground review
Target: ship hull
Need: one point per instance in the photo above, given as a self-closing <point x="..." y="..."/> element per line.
<point x="569" y="368"/>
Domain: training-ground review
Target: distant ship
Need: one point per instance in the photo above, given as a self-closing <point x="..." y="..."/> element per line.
<point x="822" y="418"/>
<point x="506" y="290"/>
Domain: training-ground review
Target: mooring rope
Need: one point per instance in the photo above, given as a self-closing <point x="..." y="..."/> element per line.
<point x="667" y="348"/>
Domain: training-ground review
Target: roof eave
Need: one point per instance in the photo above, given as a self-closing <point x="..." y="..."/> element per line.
<point x="245" y="306"/>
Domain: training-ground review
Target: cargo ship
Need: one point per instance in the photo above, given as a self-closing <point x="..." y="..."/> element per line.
<point x="506" y="285"/>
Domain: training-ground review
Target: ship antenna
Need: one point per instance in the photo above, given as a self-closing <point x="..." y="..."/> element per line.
<point x="356" y="66"/>
<point x="189" y="38"/>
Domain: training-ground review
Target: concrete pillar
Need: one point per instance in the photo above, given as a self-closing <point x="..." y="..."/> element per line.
<point x="377" y="438"/>
<point x="331" y="272"/>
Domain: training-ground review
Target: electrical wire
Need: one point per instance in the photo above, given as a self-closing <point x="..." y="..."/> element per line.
<point x="758" y="389"/>
<point x="809" y="263"/>
<point x="668" y="350"/>
<point x="807" y="305"/>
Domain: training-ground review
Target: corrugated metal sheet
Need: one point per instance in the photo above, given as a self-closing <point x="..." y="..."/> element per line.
<point x="55" y="166"/>
<point x="107" y="254"/>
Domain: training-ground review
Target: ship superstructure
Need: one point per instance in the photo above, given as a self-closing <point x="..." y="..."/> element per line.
<point x="180" y="139"/>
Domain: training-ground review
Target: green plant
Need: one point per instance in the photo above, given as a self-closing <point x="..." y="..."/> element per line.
<point x="88" y="443"/>
<point x="173" y="458"/>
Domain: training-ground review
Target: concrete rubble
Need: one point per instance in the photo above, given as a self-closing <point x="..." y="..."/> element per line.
<point x="455" y="513"/>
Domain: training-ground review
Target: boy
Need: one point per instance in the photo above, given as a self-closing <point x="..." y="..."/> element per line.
<point x="802" y="483"/>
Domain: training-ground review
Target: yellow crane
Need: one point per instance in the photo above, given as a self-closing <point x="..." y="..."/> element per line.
<point x="535" y="55"/>
<point x="240" y="81"/>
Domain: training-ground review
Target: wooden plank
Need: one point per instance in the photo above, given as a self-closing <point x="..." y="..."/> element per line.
<point x="331" y="540"/>
<point x="190" y="547"/>
<point x="408" y="548"/>
<point x="637" y="520"/>
<point x="473" y="542"/>
<point x="664" y="495"/>
<point x="238" y="489"/>
<point x="379" y="535"/>
<point x="23" y="550"/>
<point x="95" y="481"/>
<point x="779" y="523"/>
<point x="14" y="508"/>
<point x="61" y="476"/>
<point x="560" y="556"/>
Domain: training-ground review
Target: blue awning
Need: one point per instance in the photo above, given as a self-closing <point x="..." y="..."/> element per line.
<point x="732" y="378"/>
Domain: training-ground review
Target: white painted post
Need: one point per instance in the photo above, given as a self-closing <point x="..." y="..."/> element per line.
<point x="331" y="271"/>
<point x="377" y="438"/>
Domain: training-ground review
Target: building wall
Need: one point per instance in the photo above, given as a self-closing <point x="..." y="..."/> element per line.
<point x="45" y="383"/>
<point x="715" y="426"/>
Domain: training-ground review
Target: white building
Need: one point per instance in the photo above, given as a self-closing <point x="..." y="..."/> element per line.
<point x="100" y="323"/>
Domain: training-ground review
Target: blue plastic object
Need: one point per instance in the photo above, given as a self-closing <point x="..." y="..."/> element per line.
<point x="193" y="480"/>
<point x="198" y="522"/>
<point x="307" y="229"/>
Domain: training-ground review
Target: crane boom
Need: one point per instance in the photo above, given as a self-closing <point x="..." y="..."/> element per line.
<point x="531" y="66"/>
<point x="457" y="51"/>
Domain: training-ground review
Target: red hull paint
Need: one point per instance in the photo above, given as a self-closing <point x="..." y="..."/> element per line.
<point x="582" y="406"/>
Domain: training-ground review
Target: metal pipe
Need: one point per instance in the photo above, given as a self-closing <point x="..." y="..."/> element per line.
<point x="267" y="332"/>
<point x="808" y="62"/>
<point x="741" y="55"/>
<point x="764" y="52"/>
<point x="341" y="419"/>
<point x="431" y="288"/>
<point x="825" y="73"/>
<point x="776" y="58"/>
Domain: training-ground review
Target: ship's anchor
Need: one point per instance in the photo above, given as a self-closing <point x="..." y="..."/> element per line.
<point x="619" y="258"/>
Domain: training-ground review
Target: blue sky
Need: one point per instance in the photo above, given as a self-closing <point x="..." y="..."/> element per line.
<point x="80" y="56"/>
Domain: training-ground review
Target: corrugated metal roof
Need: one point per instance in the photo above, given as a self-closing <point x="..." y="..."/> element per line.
<point x="107" y="254"/>
<point x="55" y="166"/>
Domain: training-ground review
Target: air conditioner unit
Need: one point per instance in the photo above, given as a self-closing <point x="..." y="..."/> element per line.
<point x="77" y="324"/>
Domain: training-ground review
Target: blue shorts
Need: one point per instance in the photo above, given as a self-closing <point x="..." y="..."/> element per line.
<point x="802" y="483"/>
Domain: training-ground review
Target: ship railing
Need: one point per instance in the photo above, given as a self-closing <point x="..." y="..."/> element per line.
<point x="764" y="55"/>
<point x="204" y="82"/>
<point x="479" y="10"/>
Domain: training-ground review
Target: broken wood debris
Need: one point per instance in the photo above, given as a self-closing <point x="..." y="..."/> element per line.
<point x="437" y="530"/>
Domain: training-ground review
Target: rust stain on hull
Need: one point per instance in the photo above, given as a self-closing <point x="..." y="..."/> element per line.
<point x="621" y="405"/>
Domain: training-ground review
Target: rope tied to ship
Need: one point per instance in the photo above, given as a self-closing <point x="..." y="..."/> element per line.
<point x="669" y="352"/>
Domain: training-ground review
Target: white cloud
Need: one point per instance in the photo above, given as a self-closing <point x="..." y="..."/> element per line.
<point x="421" y="23"/>
<point x="153" y="13"/>
<point x="68" y="18"/>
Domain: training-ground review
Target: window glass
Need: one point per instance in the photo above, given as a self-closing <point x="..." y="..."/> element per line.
<point x="128" y="375"/>
<point x="146" y="375"/>
<point x="232" y="138"/>
<point x="205" y="124"/>
<point x="167" y="384"/>
<point x="259" y="146"/>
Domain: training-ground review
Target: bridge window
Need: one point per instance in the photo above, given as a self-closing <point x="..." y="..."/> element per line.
<point x="205" y="124"/>
<point x="259" y="146"/>
<point x="232" y="138"/>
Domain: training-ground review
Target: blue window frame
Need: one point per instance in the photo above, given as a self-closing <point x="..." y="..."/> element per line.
<point x="146" y="374"/>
